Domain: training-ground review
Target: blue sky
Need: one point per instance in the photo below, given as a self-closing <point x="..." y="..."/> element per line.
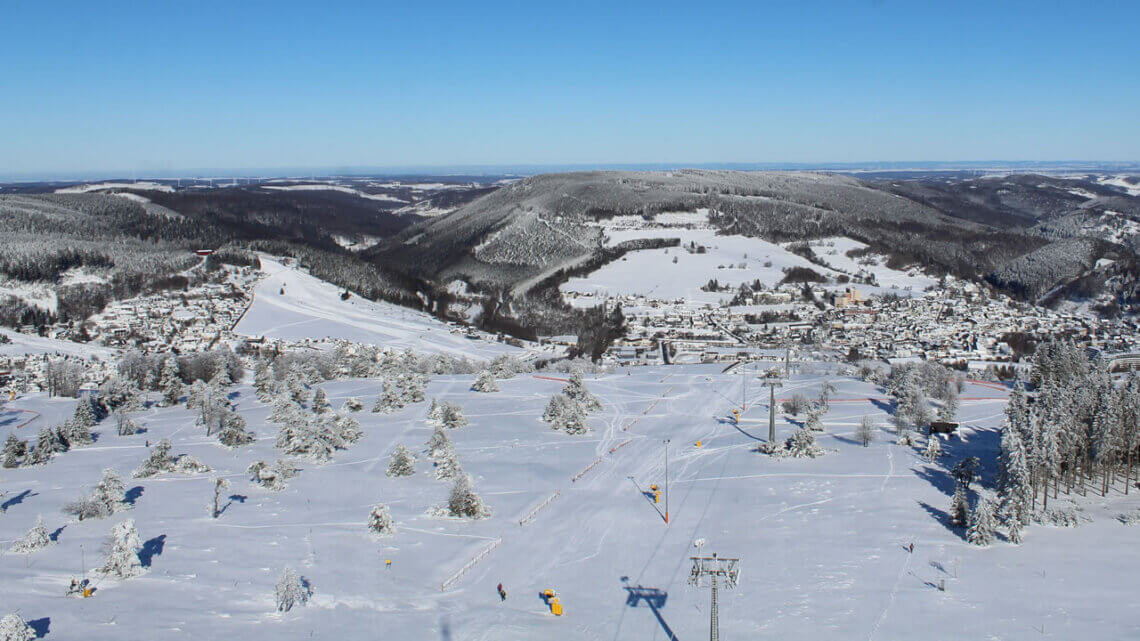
<point x="160" y="86"/>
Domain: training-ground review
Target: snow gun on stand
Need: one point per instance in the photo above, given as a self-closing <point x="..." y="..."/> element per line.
<point x="552" y="600"/>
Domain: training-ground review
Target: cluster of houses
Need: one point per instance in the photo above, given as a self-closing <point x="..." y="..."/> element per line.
<point x="960" y="324"/>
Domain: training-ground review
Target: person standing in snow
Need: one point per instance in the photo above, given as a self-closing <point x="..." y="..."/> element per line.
<point x="502" y="593"/>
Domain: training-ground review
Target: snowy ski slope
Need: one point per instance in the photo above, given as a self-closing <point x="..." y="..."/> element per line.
<point x="312" y="308"/>
<point x="822" y="542"/>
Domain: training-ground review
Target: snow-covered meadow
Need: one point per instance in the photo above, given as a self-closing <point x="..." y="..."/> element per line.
<point x="680" y="272"/>
<point x="823" y="542"/>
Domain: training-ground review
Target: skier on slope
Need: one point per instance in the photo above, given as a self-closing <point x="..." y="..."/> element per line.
<point x="502" y="593"/>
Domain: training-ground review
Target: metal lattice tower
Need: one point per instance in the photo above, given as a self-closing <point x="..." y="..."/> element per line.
<point x="773" y="383"/>
<point x="718" y="571"/>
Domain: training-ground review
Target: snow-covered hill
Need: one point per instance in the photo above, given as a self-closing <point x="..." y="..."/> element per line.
<point x="290" y="304"/>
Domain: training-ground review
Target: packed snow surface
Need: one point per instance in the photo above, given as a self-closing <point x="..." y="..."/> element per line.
<point x="824" y="543"/>
<point x="142" y="185"/>
<point x="312" y="308"/>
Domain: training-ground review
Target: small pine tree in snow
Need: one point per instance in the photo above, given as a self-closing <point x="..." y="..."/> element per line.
<point x="439" y="444"/>
<point x="453" y="416"/>
<point x="14" y="450"/>
<point x="933" y="448"/>
<point x="296" y="387"/>
<point x="196" y="395"/>
<point x="320" y="401"/>
<point x="272" y="477"/>
<point x="37" y="538"/>
<point x="576" y="390"/>
<point x="390" y="399"/>
<point x="283" y="409"/>
<point x="123" y="557"/>
<point x="45" y="448"/>
<point x="219" y="485"/>
<point x="221" y="379"/>
<point x="802" y="444"/>
<point x="1015" y="531"/>
<point x="110" y="492"/>
<point x="435" y="412"/>
<point x="959" y="507"/>
<point x="263" y="383"/>
<point x="413" y="389"/>
<point x="813" y="421"/>
<point x="949" y="408"/>
<point x="352" y="405"/>
<point x="905" y="437"/>
<point x="291" y="590"/>
<point x="464" y="502"/>
<point x="84" y="413"/>
<point x="402" y="463"/>
<point x="14" y="628"/>
<point x="982" y="524"/>
<point x="380" y="521"/>
<point x="447" y="466"/>
<point x="572" y="419"/>
<point x="555" y="408"/>
<point x="233" y="432"/>
<point x="159" y="460"/>
<point x="485" y="382"/>
<point x="170" y="382"/>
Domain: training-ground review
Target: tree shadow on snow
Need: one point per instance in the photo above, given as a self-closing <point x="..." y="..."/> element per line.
<point x="943" y="518"/>
<point x="883" y="406"/>
<point x="653" y="597"/>
<point x="152" y="548"/>
<point x="16" y="500"/>
<point x="54" y="536"/>
<point x="40" y="626"/>
<point x="133" y="494"/>
<point x="940" y="479"/>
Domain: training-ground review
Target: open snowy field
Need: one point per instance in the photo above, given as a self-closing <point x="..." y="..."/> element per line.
<point x="823" y="542"/>
<point x="676" y="273"/>
<point x="312" y="308"/>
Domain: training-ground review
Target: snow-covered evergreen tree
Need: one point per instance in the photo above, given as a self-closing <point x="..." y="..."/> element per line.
<point x="84" y="413"/>
<point x="170" y="382"/>
<point x="47" y="443"/>
<point x="1014" y="485"/>
<point x="123" y="558"/>
<point x="1015" y="532"/>
<point x="233" y="432"/>
<point x="933" y="448"/>
<point x="272" y="477"/>
<point x="464" y="502"/>
<point x="159" y="460"/>
<point x="14" y="451"/>
<point x="414" y="386"/>
<point x="110" y="492"/>
<point x="572" y="419"/>
<point x="263" y="383"/>
<point x="576" y="390"/>
<point x="435" y="412"/>
<point x="453" y="416"/>
<point x="959" y="507"/>
<point x="320" y="401"/>
<point x="390" y="399"/>
<point x="295" y="387"/>
<point x="802" y="444"/>
<point x="291" y="590"/>
<point x="196" y="395"/>
<point x="380" y="521"/>
<point x="813" y="421"/>
<point x="447" y="466"/>
<point x="439" y="444"/>
<point x="982" y="524"/>
<point x="949" y="409"/>
<point x="14" y="628"/>
<point x="284" y="409"/>
<point x="37" y="538"/>
<point x="485" y="382"/>
<point x="402" y="462"/>
<point x="555" y="408"/>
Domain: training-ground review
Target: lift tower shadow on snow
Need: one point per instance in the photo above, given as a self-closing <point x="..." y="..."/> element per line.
<point x="653" y="597"/>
